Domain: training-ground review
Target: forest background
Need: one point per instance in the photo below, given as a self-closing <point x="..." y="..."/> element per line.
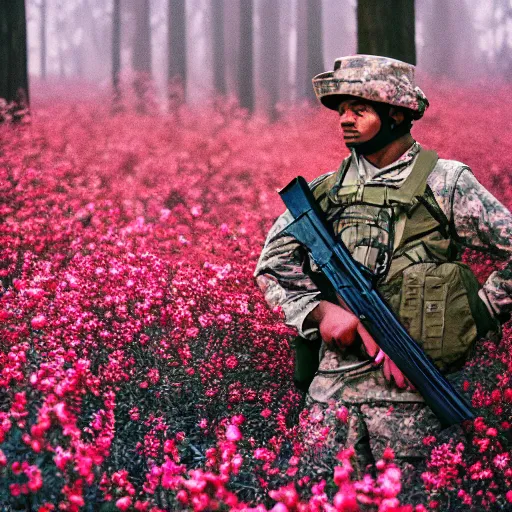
<point x="141" y="146"/>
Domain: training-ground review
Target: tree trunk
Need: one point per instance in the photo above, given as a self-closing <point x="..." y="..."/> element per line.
<point x="61" y="34"/>
<point x="13" y="55"/>
<point x="286" y="26"/>
<point x="387" y="28"/>
<point x="42" y="44"/>
<point x="141" y="57"/>
<point x="310" y="55"/>
<point x="450" y="46"/>
<point x="245" y="68"/>
<point x="219" y="64"/>
<point x="269" y="56"/>
<point x="177" y="50"/>
<point x="116" y="52"/>
<point x="232" y="44"/>
<point x="302" y="49"/>
<point x="502" y="15"/>
<point x="315" y="55"/>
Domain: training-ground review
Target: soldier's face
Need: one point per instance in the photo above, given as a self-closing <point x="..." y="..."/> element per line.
<point x="358" y="121"/>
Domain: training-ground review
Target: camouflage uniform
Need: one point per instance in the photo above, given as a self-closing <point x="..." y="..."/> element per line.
<point x="381" y="414"/>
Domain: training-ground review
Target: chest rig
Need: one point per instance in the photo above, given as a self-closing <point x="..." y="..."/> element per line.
<point x="388" y="227"/>
<point x="401" y="234"/>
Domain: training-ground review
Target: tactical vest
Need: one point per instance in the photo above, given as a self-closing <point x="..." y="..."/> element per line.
<point x="434" y="295"/>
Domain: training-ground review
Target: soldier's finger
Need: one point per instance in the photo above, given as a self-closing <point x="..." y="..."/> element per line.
<point x="341" y="335"/>
<point x="369" y="343"/>
<point x="397" y="375"/>
<point x="346" y="335"/>
<point x="386" y="369"/>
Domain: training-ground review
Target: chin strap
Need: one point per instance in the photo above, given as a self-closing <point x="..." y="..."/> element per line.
<point x="389" y="131"/>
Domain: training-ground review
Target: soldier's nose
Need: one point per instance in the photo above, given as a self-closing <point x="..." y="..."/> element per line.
<point x="348" y="118"/>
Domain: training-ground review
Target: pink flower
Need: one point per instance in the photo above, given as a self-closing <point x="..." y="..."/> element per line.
<point x="196" y="211"/>
<point x="279" y="507"/>
<point x="342" y="414"/>
<point x="342" y="474"/>
<point x="134" y="414"/>
<point x="192" y="332"/>
<point x="346" y="501"/>
<point x="231" y="362"/>
<point x="501" y="460"/>
<point x="233" y="433"/>
<point x="388" y="454"/>
<point x="38" y="322"/>
<point x="124" y="503"/>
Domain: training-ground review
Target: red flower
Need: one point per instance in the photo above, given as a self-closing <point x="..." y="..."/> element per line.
<point x="124" y="503"/>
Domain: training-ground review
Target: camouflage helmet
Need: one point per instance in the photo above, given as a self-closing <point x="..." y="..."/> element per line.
<point x="373" y="78"/>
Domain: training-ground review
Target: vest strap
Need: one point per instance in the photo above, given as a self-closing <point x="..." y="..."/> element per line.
<point x="416" y="183"/>
<point x="381" y="194"/>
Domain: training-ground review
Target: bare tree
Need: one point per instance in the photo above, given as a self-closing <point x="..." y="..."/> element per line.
<point x="177" y="49"/>
<point x="116" y="51"/>
<point x="42" y="38"/>
<point x="245" y="67"/>
<point x="219" y="63"/>
<point x="232" y="44"/>
<point x="269" y="56"/>
<point x="310" y="56"/>
<point x="387" y="28"/>
<point x="141" y="56"/>
<point x="60" y="29"/>
<point x="302" y="50"/>
<point x="315" y="56"/>
<point x="502" y="15"/>
<point x="286" y="68"/>
<point x="13" y="55"/>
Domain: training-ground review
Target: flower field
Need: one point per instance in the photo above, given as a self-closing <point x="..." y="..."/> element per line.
<point x="140" y="367"/>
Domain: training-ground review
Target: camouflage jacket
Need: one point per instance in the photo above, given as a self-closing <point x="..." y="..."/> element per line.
<point x="477" y="220"/>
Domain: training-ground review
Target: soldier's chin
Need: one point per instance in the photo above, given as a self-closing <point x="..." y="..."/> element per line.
<point x="351" y="143"/>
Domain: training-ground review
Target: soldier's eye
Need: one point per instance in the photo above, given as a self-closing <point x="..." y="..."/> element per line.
<point x="357" y="110"/>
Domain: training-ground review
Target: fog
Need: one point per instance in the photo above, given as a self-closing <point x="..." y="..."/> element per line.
<point x="457" y="40"/>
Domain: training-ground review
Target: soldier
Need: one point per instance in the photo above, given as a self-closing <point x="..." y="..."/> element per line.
<point x="406" y="215"/>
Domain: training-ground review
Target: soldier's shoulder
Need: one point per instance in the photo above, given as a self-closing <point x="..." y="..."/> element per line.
<point x="445" y="174"/>
<point x="442" y="181"/>
<point x="448" y="169"/>
<point x="322" y="180"/>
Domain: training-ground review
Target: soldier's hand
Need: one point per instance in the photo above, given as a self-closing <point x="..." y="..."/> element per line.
<point x="339" y="326"/>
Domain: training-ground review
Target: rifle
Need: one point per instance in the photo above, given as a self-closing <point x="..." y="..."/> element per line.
<point x="355" y="284"/>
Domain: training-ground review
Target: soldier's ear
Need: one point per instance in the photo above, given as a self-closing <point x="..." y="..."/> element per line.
<point x="397" y="114"/>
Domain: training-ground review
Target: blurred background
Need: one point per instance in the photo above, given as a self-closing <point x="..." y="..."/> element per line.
<point x="262" y="52"/>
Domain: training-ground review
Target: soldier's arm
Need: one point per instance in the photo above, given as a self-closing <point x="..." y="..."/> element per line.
<point x="281" y="277"/>
<point x="481" y="222"/>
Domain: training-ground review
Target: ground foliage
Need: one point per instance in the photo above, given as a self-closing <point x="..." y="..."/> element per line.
<point x="140" y="368"/>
